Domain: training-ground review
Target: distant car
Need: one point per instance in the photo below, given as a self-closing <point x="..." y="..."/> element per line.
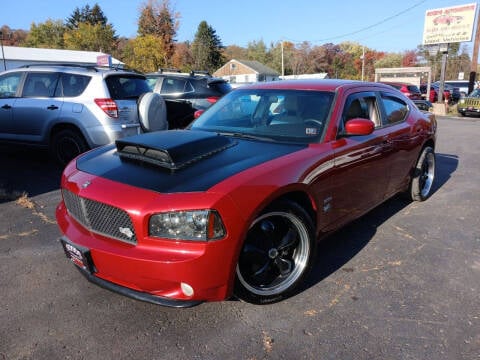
<point x="451" y="92"/>
<point x="68" y="109"/>
<point x="461" y="85"/>
<point x="470" y="105"/>
<point x="433" y="96"/>
<point x="186" y="93"/>
<point x="235" y="204"/>
<point x="409" y="90"/>
<point x="423" y="105"/>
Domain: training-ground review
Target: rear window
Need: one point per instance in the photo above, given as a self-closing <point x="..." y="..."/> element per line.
<point x="126" y="87"/>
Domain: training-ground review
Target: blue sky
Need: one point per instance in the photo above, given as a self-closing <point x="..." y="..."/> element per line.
<point x="382" y="25"/>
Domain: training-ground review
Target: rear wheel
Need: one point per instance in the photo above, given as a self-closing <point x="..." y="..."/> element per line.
<point x="67" y="144"/>
<point x="424" y="175"/>
<point x="277" y="254"/>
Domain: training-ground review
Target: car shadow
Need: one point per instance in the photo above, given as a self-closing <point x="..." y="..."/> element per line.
<point x="26" y="171"/>
<point x="340" y="247"/>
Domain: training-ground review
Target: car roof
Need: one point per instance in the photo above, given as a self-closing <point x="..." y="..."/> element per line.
<point x="80" y="68"/>
<point x="314" y="84"/>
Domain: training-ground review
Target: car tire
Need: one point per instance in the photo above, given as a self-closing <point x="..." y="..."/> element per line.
<point x="67" y="144"/>
<point x="423" y="175"/>
<point x="277" y="254"/>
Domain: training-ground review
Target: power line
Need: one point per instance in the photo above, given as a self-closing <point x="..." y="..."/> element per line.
<point x="367" y="27"/>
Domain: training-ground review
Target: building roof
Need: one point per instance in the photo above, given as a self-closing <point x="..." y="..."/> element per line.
<point x="14" y="53"/>
<point x="257" y="67"/>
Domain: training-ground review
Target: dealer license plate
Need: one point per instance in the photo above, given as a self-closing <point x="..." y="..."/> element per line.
<point x="78" y="255"/>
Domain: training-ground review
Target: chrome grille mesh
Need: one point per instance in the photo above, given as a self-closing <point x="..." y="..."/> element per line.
<point x="100" y="218"/>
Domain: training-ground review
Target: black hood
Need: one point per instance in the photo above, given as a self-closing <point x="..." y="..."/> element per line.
<point x="179" y="160"/>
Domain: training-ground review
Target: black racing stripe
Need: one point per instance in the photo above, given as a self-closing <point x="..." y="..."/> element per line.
<point x="199" y="176"/>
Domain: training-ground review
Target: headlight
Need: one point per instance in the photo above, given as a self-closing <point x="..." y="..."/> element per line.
<point x="462" y="101"/>
<point x="197" y="225"/>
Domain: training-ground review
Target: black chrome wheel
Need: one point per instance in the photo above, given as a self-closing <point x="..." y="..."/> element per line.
<point x="276" y="254"/>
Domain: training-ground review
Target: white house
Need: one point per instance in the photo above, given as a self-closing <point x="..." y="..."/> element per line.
<point x="245" y="72"/>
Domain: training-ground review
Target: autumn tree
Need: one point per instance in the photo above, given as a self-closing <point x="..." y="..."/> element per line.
<point x="88" y="29"/>
<point x="145" y="54"/>
<point x="234" y="52"/>
<point x="92" y="16"/>
<point x="207" y="48"/>
<point x="159" y="20"/>
<point x="12" y="37"/>
<point x="47" y="35"/>
<point x="90" y="37"/>
<point x="182" y="57"/>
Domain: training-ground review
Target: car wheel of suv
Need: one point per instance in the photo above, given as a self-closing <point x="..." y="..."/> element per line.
<point x="277" y="254"/>
<point x="66" y="145"/>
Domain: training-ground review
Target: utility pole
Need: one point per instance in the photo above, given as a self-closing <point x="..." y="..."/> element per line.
<point x="363" y="62"/>
<point x="283" y="68"/>
<point x="473" y="66"/>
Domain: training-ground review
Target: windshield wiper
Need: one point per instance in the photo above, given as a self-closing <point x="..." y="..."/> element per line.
<point x="244" y="136"/>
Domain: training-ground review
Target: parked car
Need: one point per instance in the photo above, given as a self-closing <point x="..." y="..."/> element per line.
<point x="433" y="96"/>
<point x="423" y="105"/>
<point x="451" y="93"/>
<point x="68" y="109"/>
<point x="461" y="85"/>
<point x="185" y="93"/>
<point x="235" y="204"/>
<point x="470" y="105"/>
<point x="409" y="90"/>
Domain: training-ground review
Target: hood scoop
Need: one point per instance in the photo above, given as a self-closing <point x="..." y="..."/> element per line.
<point x="173" y="149"/>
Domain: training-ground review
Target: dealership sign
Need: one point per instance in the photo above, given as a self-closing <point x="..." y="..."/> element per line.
<point x="449" y="25"/>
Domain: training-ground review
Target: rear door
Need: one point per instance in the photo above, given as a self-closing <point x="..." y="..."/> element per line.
<point x="402" y="140"/>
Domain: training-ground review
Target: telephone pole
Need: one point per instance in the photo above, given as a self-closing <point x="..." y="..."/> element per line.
<point x="473" y="66"/>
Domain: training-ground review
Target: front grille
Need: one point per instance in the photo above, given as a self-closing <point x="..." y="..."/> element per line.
<point x="100" y="218"/>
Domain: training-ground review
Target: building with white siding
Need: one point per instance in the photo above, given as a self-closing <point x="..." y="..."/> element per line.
<point x="13" y="57"/>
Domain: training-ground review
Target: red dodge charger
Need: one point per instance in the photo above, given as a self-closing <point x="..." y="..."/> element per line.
<point x="235" y="205"/>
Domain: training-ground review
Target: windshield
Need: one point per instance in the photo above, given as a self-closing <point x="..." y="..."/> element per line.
<point x="475" y="93"/>
<point x="277" y="115"/>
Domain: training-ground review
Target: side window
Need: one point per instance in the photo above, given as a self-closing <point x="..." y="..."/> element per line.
<point x="72" y="85"/>
<point x="40" y="84"/>
<point x="396" y="109"/>
<point x="363" y="105"/>
<point x="9" y="84"/>
<point x="172" y="86"/>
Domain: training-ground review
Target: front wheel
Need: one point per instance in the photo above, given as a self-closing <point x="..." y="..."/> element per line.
<point x="277" y="254"/>
<point x="423" y="176"/>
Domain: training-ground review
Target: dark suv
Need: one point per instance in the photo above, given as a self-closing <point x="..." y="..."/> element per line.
<point x="185" y="93"/>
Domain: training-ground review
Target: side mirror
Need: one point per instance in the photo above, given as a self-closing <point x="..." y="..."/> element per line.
<point x="359" y="126"/>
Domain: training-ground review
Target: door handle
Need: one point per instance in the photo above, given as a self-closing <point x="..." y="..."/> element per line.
<point x="52" y="107"/>
<point x="6" y="107"/>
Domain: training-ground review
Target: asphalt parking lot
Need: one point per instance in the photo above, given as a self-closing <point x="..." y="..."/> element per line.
<point x="403" y="282"/>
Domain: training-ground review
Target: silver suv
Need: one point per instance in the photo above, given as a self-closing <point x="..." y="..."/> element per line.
<point x="69" y="108"/>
